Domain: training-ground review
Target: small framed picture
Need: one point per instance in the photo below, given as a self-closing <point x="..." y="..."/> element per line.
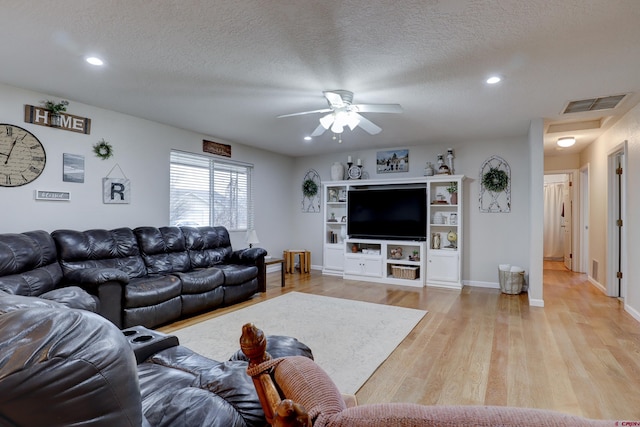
<point x="392" y="161"/>
<point x="72" y="168"/>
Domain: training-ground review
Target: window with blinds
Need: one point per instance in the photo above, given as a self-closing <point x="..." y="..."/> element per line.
<point x="208" y="191"/>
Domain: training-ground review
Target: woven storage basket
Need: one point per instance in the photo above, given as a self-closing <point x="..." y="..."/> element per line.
<point x="403" y="272"/>
<point x="511" y="282"/>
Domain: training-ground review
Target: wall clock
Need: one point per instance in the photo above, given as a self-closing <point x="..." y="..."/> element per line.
<point x="22" y="156"/>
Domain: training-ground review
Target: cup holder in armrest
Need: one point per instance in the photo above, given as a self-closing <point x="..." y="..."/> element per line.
<point x="141" y="339"/>
<point x="146" y="342"/>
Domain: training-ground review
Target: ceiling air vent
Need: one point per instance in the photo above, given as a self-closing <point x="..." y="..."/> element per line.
<point x="593" y="104"/>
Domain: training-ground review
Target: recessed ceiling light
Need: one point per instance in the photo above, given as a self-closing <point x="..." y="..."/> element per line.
<point x="95" y="61"/>
<point x="494" y="79"/>
<point x="566" y="141"/>
<point x="307" y="138"/>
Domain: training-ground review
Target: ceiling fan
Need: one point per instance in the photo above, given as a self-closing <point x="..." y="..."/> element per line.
<point x="342" y="113"/>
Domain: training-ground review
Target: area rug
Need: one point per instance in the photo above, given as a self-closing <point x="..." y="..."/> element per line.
<point x="349" y="339"/>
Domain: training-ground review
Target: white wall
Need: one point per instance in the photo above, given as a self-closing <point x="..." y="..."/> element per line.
<point x="490" y="238"/>
<point x="141" y="149"/>
<point x="628" y="128"/>
<point x="536" y="211"/>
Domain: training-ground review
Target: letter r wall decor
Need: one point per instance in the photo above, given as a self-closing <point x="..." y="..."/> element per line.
<point x="116" y="190"/>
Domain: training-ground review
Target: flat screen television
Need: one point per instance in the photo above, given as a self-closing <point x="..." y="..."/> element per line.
<point x="388" y="213"/>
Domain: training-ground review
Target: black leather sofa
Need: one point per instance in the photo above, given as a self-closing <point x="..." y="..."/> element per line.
<point x="62" y="367"/>
<point x="144" y="276"/>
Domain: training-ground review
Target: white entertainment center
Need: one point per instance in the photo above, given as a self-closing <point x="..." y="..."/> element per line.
<point x="434" y="260"/>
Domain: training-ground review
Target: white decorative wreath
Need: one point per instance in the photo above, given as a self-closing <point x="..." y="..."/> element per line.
<point x="103" y="149"/>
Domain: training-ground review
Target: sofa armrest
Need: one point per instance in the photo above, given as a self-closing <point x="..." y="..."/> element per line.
<point x="250" y="256"/>
<point x="105" y="283"/>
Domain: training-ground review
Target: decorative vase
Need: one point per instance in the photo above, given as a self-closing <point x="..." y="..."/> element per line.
<point x="337" y="171"/>
<point x="454" y="198"/>
<point x="428" y="171"/>
<point x="55" y="120"/>
<point x="436" y="241"/>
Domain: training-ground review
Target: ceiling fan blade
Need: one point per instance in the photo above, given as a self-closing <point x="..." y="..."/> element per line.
<point x="335" y="99"/>
<point x="378" y="108"/>
<point x="367" y="125"/>
<point x="324" y="110"/>
<point x="319" y="131"/>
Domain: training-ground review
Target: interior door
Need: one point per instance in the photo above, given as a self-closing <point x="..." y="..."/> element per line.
<point x="567" y="216"/>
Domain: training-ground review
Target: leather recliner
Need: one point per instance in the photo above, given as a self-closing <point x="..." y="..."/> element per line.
<point x="62" y="367"/>
<point x="29" y="267"/>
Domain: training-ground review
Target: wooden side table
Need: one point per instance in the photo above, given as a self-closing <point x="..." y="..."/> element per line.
<point x="290" y="260"/>
<point x="272" y="261"/>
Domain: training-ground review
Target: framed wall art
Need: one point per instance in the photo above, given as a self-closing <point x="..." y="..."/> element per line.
<point x="391" y="161"/>
<point x="72" y="168"/>
<point x="116" y="191"/>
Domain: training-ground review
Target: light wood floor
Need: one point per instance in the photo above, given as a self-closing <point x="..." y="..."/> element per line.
<point x="580" y="354"/>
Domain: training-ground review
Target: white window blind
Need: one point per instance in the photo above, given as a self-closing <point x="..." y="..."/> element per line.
<point x="209" y="191"/>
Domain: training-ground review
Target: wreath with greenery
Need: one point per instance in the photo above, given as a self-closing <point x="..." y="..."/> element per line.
<point x="103" y="149"/>
<point x="495" y="180"/>
<point x="309" y="188"/>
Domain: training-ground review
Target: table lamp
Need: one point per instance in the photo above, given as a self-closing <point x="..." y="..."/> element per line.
<point x="252" y="238"/>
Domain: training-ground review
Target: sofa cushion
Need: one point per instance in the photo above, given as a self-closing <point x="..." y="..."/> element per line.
<point x="195" y="303"/>
<point x="28" y="263"/>
<point x="202" y="280"/>
<point x="207" y="246"/>
<point x="10" y="302"/>
<point x="163" y="249"/>
<point x="146" y="291"/>
<point x="151" y="316"/>
<point x="202" y="392"/>
<point x="238" y="274"/>
<point x="73" y="297"/>
<point x="116" y="248"/>
<point x="237" y="293"/>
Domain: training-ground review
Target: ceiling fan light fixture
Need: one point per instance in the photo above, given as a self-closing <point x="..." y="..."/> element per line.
<point x="567" y="141"/>
<point x="337" y="127"/>
<point x="352" y="120"/>
<point x="327" y="120"/>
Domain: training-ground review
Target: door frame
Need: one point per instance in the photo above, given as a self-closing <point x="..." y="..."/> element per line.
<point x="576" y="238"/>
<point x="612" y="235"/>
<point x="583" y="226"/>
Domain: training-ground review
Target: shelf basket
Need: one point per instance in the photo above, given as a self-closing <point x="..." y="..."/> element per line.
<point x="404" y="272"/>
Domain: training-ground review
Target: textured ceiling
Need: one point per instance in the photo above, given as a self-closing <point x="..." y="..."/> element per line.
<point x="228" y="68"/>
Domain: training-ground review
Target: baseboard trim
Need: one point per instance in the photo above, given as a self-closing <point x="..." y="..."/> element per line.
<point x="632" y="311"/>
<point x="478" y="284"/>
<point x="598" y="285"/>
<point x="534" y="302"/>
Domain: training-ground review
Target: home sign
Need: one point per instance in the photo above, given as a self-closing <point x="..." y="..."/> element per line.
<point x="41" y="116"/>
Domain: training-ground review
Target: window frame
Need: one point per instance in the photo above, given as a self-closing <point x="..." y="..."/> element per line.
<point x="228" y="190"/>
